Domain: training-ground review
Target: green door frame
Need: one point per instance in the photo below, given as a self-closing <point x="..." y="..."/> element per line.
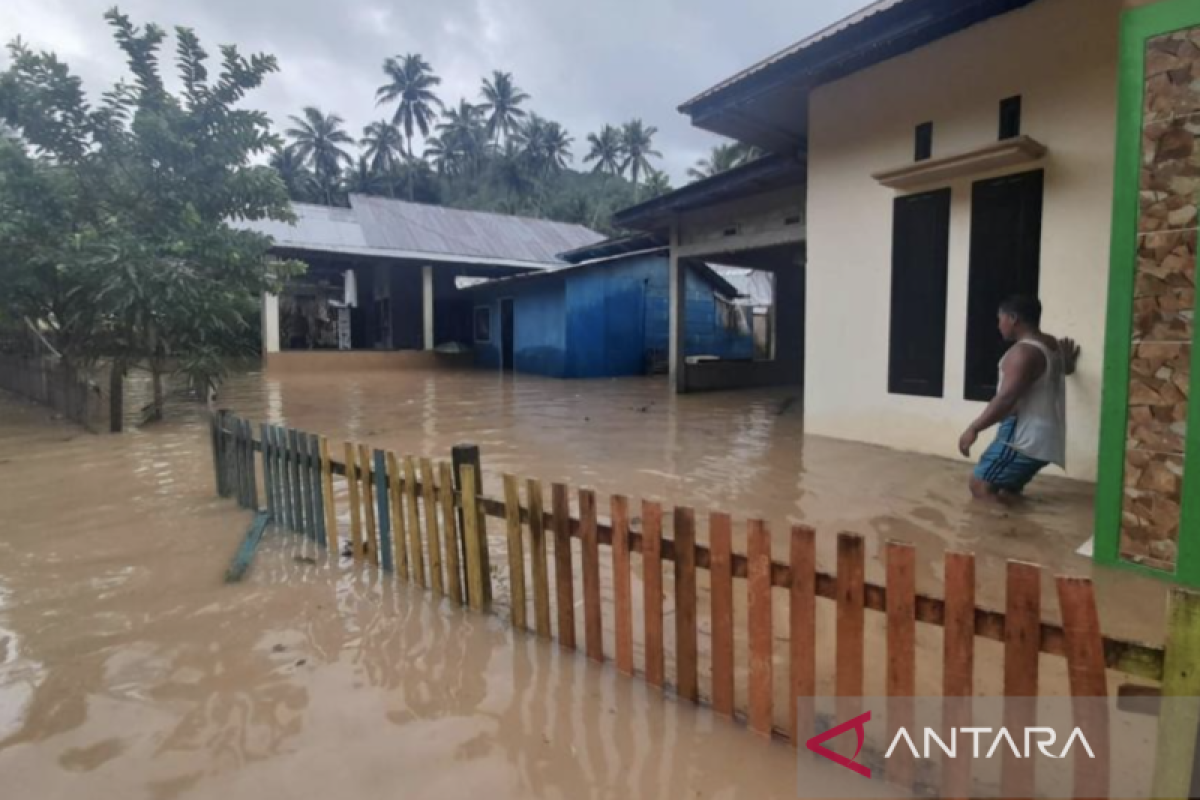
<point x="1138" y="25"/>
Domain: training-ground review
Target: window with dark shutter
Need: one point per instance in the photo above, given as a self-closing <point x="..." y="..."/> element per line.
<point x="1006" y="246"/>
<point x="920" y="262"/>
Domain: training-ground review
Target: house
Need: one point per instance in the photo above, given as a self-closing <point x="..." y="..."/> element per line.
<point x="384" y="278"/>
<point x="605" y="315"/>
<point x="948" y="153"/>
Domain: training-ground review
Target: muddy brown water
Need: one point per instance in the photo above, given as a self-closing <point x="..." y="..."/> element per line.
<point x="129" y="670"/>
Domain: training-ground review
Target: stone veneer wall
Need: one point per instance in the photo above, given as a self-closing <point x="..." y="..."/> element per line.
<point x="1164" y="301"/>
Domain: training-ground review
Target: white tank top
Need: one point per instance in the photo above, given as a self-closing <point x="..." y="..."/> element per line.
<point x="1041" y="429"/>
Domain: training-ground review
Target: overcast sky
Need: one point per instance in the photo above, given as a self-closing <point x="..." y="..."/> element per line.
<point x="583" y="63"/>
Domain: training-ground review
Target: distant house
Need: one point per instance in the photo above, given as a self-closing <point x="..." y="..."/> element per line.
<point x="605" y="315"/>
<point x="385" y="275"/>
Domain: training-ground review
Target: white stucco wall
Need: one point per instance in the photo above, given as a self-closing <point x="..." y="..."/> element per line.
<point x="1061" y="57"/>
<point x="270" y="323"/>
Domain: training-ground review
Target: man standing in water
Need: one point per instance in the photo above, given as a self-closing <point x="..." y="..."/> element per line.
<point x="1030" y="405"/>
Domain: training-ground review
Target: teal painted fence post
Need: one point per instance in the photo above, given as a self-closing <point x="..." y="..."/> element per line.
<point x="251" y="471"/>
<point x="294" y="476"/>
<point x="268" y="489"/>
<point x="317" y="489"/>
<point x="285" y="479"/>
<point x="216" y="451"/>
<point x="384" y="520"/>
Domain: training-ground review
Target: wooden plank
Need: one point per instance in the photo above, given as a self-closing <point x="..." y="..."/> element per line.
<point x="416" y="547"/>
<point x="432" y="535"/>
<point x="245" y="554"/>
<point x="849" y="653"/>
<point x="802" y="625"/>
<point x="762" y="668"/>
<point x="516" y="549"/>
<point x="593" y="620"/>
<point x="251" y="471"/>
<point x="356" y="533"/>
<point x="306" y="484"/>
<point x="299" y="493"/>
<point x="563" y="567"/>
<point x="235" y="458"/>
<point x="622" y="596"/>
<point x="371" y="542"/>
<point x="268" y="484"/>
<point x="901" y="654"/>
<point x="318" y="486"/>
<point x="215" y="441"/>
<point x="720" y="534"/>
<point x="1086" y="673"/>
<point x="687" y="682"/>
<point x="451" y="534"/>
<point x="958" y="664"/>
<point x="1022" y="632"/>
<point x="331" y="520"/>
<point x="652" y="582"/>
<point x="1174" y="759"/>
<point x="399" y="527"/>
<point x="382" y="496"/>
<point x="537" y="558"/>
<point x="472" y="537"/>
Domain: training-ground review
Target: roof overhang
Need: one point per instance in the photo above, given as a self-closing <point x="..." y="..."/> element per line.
<point x="767" y="104"/>
<point x="762" y="175"/>
<point x="417" y="256"/>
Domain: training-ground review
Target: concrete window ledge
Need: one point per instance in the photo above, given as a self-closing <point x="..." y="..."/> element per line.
<point x="993" y="156"/>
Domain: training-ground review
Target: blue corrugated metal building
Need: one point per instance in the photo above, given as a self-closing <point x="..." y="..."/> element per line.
<point x="605" y="315"/>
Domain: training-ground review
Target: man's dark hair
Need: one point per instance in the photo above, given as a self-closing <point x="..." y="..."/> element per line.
<point x="1026" y="309"/>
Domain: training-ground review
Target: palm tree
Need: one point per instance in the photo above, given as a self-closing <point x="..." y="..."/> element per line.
<point x="438" y="154"/>
<point x="295" y="174"/>
<point x="502" y="99"/>
<point x="723" y="158"/>
<point x="557" y="147"/>
<point x="639" y="149"/>
<point x="383" y="145"/>
<point x="363" y="178"/>
<point x="657" y="183"/>
<point x="410" y="80"/>
<point x="463" y="137"/>
<point x="608" y="151"/>
<point x="316" y="138"/>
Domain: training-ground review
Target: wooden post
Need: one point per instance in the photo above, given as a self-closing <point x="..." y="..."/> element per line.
<point x="849" y="648"/>
<point x="563" y="566"/>
<point x="298" y="500"/>
<point x="416" y="548"/>
<point x="652" y="583"/>
<point x="762" y="670"/>
<point x="593" y="616"/>
<point x="958" y="664"/>
<point x="268" y="482"/>
<point x="251" y="468"/>
<point x="538" y="566"/>
<point x="356" y="535"/>
<point x="399" y="528"/>
<point x="451" y="535"/>
<point x="687" y="679"/>
<point x="304" y="467"/>
<point x="1175" y="768"/>
<point x="317" y="490"/>
<point x="802" y="600"/>
<point x="371" y="542"/>
<point x="239" y="477"/>
<point x="516" y="549"/>
<point x="474" y="540"/>
<point x="622" y="596"/>
<point x="469" y="454"/>
<point x="283" y="465"/>
<point x="215" y="437"/>
<point x="901" y="653"/>
<point x="1022" y="641"/>
<point x="385" y="516"/>
<point x="331" y="520"/>
<point x="429" y="500"/>
<point x="1084" y="644"/>
<point x="720" y="534"/>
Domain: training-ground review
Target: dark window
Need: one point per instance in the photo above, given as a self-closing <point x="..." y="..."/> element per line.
<point x="924" y="144"/>
<point x="920" y="261"/>
<point x="1006" y="243"/>
<point x="1010" y="118"/>
<point x="483" y="324"/>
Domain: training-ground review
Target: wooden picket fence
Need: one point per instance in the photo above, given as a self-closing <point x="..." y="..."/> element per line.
<point x="426" y="523"/>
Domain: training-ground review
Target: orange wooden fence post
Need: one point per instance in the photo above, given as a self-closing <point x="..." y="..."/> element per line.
<point x="563" y="566"/>
<point x="803" y="624"/>
<point x="1022" y="640"/>
<point x="1086" y="672"/>
<point x="516" y="549"/>
<point x="593" y="618"/>
<point x="451" y="535"/>
<point x="958" y="664"/>
<point x="653" y="586"/>
<point x="720" y="536"/>
<point x="539" y="569"/>
<point x="622" y="600"/>
<point x="686" y="677"/>
<point x="901" y="653"/>
<point x="762" y="672"/>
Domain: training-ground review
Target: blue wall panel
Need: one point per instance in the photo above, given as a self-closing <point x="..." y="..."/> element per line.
<point x="538" y="336"/>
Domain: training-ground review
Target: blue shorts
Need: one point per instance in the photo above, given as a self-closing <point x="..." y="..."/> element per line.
<point x="1004" y="468"/>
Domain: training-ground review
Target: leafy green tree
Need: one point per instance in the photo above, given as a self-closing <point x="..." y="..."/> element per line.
<point x="502" y="101"/>
<point x="608" y="151"/>
<point x="410" y="81"/>
<point x="297" y="177"/>
<point x="657" y="184"/>
<point x="317" y="139"/>
<point x="723" y="158"/>
<point x="463" y="135"/>
<point x="638" y="140"/>
<point x="116" y="217"/>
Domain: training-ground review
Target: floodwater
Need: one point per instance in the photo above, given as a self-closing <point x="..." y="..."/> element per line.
<point x="742" y="452"/>
<point x="128" y="669"/>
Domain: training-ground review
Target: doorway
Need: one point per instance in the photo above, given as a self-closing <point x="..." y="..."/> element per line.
<point x="506" y="334"/>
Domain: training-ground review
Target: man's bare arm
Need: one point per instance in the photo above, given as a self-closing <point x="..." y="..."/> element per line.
<point x="1022" y="367"/>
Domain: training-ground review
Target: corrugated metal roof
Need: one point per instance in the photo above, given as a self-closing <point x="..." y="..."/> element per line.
<point x="383" y="228"/>
<point x="397" y="225"/>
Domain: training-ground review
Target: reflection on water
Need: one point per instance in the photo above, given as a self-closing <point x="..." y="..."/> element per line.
<point x="129" y="669"/>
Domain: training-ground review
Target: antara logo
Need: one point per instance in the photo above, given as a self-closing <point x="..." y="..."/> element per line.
<point x="856" y="724"/>
<point x="1048" y="736"/>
